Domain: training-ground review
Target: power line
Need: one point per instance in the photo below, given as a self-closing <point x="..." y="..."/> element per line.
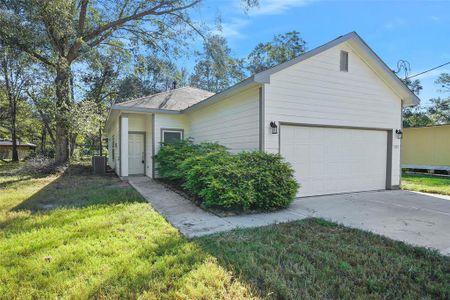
<point x="428" y="70"/>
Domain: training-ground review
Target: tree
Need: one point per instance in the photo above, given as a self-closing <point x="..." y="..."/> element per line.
<point x="439" y="111"/>
<point x="58" y="32"/>
<point x="216" y="69"/>
<point x="283" y="47"/>
<point x="14" y="79"/>
<point x="414" y="85"/>
<point x="444" y="82"/>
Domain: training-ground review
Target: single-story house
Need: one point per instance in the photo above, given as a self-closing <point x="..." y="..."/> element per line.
<point x="23" y="149"/>
<point x="426" y="148"/>
<point x="332" y="112"/>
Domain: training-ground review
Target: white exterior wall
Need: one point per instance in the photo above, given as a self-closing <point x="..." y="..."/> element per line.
<point x="136" y="122"/>
<point x="232" y="122"/>
<point x="315" y="91"/>
<point x="172" y="121"/>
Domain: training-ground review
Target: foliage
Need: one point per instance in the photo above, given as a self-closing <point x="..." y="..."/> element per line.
<point x="316" y="259"/>
<point x="283" y="47"/>
<point x="437" y="112"/>
<point x="171" y="156"/>
<point x="272" y="178"/>
<point x="426" y="183"/>
<point x="219" y="180"/>
<point x="414" y="85"/>
<point x="444" y="82"/>
<point x="216" y="69"/>
<point x="251" y="180"/>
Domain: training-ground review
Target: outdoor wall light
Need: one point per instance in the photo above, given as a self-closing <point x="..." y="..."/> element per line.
<point x="399" y="133"/>
<point x="274" y="127"/>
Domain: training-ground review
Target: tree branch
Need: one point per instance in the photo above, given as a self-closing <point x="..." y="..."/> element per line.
<point x="136" y="16"/>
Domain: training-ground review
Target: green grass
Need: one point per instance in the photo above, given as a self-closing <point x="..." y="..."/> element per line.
<point x="81" y="236"/>
<point x="426" y="183"/>
<point x="84" y="236"/>
<point x="317" y="259"/>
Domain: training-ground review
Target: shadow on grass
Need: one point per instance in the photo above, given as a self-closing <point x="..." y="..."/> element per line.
<point x="77" y="187"/>
<point x="86" y="236"/>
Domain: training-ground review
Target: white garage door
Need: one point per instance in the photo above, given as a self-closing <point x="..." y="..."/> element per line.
<point x="335" y="160"/>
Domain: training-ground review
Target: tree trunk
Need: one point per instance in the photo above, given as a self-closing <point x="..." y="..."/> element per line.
<point x="100" y="140"/>
<point x="15" y="154"/>
<point x="63" y="104"/>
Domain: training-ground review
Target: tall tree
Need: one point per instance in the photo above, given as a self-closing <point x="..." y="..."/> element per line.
<point x="216" y="69"/>
<point x="14" y="78"/>
<point x="59" y="32"/>
<point x="283" y="47"/>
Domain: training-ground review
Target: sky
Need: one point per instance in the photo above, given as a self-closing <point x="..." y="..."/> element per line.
<point x="416" y="31"/>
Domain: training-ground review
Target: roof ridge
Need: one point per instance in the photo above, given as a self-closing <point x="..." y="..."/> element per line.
<point x="151" y="95"/>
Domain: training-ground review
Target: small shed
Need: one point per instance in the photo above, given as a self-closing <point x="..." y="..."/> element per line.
<point x="23" y="149"/>
<point x="426" y="148"/>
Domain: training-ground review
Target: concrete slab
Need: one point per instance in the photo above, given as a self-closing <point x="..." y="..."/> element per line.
<point x="415" y="218"/>
<point x="193" y="221"/>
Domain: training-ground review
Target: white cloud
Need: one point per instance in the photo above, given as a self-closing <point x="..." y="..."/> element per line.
<point x="392" y="24"/>
<point x="277" y="7"/>
<point x="232" y="29"/>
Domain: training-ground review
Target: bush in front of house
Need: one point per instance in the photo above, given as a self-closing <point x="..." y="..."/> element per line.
<point x="170" y="157"/>
<point x="272" y="178"/>
<point x="219" y="179"/>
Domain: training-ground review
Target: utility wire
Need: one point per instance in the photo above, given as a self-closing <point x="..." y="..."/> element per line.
<point x="428" y="70"/>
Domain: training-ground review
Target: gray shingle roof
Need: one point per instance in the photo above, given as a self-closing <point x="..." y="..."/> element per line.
<point x="176" y="99"/>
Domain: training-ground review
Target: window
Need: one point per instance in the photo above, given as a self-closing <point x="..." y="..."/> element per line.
<point x="344" y="61"/>
<point x="171" y="136"/>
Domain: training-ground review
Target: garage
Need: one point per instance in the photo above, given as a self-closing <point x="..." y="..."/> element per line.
<point x="329" y="160"/>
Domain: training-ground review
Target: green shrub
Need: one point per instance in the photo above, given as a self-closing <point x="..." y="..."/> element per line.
<point x="273" y="179"/>
<point x="249" y="180"/>
<point x="219" y="181"/>
<point x="170" y="156"/>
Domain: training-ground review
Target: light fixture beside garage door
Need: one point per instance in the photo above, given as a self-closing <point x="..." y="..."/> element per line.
<point x="399" y="133"/>
<point x="274" y="127"/>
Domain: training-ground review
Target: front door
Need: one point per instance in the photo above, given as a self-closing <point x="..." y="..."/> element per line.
<point x="136" y="154"/>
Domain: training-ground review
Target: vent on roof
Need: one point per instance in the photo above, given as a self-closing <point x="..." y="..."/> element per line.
<point x="344" y="61"/>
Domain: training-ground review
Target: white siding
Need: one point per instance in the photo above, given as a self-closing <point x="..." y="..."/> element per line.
<point x="232" y="122"/>
<point x="315" y="91"/>
<point x="175" y="121"/>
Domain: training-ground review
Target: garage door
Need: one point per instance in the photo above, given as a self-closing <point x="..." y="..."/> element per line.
<point x="335" y="160"/>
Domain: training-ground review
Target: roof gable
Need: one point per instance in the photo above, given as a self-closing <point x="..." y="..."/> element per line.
<point x="365" y="52"/>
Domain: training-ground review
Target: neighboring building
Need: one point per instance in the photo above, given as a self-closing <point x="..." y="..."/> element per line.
<point x="23" y="149"/>
<point x="426" y="148"/>
<point x="331" y="112"/>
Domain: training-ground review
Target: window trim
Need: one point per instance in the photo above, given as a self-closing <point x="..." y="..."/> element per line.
<point x="344" y="61"/>
<point x="178" y="130"/>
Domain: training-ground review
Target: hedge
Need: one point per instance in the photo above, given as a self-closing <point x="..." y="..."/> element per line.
<point x="244" y="181"/>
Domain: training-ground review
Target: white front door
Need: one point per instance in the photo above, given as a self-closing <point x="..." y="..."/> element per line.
<point x="335" y="160"/>
<point x="136" y="154"/>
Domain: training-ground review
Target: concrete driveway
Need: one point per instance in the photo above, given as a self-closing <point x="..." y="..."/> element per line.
<point x="416" y="218"/>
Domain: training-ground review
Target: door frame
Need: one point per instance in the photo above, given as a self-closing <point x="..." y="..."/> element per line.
<point x="389" y="145"/>
<point x="145" y="152"/>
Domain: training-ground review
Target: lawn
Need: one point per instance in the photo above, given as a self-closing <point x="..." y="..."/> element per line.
<point x="82" y="236"/>
<point x="426" y="183"/>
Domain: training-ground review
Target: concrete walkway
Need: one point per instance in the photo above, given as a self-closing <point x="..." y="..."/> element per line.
<point x="416" y="218"/>
<point x="193" y="221"/>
